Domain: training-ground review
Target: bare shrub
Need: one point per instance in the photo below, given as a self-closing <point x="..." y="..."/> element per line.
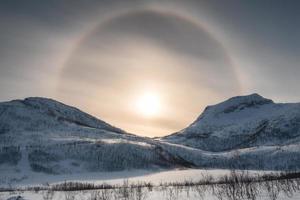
<point x="140" y="193"/>
<point x="288" y="187"/>
<point x="272" y="189"/>
<point x="218" y="191"/>
<point x="200" y="191"/>
<point x="251" y="190"/>
<point x="70" y="195"/>
<point x="48" y="195"/>
<point x="125" y="190"/>
<point x="103" y="194"/>
<point x="171" y="194"/>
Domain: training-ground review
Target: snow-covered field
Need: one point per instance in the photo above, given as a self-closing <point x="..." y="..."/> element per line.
<point x="151" y="195"/>
<point x="155" y="177"/>
<point x="134" y="176"/>
<point x="157" y="192"/>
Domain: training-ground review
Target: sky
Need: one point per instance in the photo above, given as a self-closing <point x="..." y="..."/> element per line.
<point x="149" y="67"/>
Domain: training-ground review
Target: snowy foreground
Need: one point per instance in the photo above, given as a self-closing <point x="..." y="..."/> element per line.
<point x="91" y="195"/>
<point x="165" y="185"/>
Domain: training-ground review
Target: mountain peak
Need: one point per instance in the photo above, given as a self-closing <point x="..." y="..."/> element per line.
<point x="240" y="122"/>
<point x="49" y="112"/>
<point x="241" y="102"/>
<point x="238" y="103"/>
<point x="47" y="103"/>
<point x="251" y="97"/>
<point x="39" y="99"/>
<point x="39" y="102"/>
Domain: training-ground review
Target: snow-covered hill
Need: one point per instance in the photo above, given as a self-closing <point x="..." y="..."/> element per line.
<point x="36" y="113"/>
<point x="39" y="135"/>
<point x="43" y="136"/>
<point x="246" y="132"/>
<point x="242" y="122"/>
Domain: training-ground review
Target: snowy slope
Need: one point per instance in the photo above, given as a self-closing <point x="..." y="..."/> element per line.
<point x="242" y="122"/>
<point x="39" y="135"/>
<point x="40" y="113"/>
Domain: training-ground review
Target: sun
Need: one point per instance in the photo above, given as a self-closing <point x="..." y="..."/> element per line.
<point x="148" y="104"/>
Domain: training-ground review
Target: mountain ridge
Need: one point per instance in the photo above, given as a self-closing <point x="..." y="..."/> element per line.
<point x="40" y="135"/>
<point x="249" y="115"/>
<point x="62" y="112"/>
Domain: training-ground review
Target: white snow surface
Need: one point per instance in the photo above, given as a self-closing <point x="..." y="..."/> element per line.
<point x="137" y="177"/>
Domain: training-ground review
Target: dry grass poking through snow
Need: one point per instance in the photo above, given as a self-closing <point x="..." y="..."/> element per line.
<point x="234" y="186"/>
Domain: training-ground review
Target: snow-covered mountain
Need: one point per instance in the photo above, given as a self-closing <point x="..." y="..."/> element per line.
<point x="43" y="136"/>
<point x="242" y="122"/>
<point x="39" y="135"/>
<point x="249" y="132"/>
<point x="36" y="113"/>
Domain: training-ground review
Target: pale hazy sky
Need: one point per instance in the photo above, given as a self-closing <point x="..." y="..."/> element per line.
<point x="104" y="57"/>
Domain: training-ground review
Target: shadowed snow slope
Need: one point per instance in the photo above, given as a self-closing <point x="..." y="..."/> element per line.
<point x="39" y="135"/>
<point x="41" y="113"/>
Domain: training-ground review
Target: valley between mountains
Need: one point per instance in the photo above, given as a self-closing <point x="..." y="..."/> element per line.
<point x="42" y="137"/>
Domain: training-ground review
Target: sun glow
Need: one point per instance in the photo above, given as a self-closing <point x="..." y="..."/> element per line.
<point x="148" y="104"/>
